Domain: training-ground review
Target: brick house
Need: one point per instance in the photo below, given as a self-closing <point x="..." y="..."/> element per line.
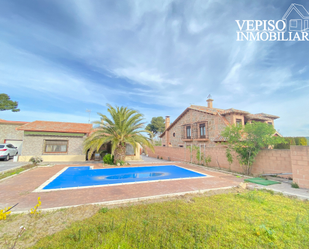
<point x="53" y="141"/>
<point x="203" y="125"/>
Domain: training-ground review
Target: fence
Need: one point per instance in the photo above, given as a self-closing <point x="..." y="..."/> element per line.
<point x="294" y="160"/>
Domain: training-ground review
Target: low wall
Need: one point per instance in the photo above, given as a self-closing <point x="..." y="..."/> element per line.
<point x="267" y="161"/>
<point x="300" y="165"/>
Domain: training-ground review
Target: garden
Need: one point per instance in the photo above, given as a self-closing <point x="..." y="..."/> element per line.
<point x="234" y="219"/>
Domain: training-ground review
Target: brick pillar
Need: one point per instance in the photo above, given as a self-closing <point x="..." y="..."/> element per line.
<point x="167" y="124"/>
<point x="300" y="165"/>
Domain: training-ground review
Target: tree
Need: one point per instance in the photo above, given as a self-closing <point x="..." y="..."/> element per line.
<point x="247" y="142"/>
<point x="7" y="104"/>
<point x="156" y="126"/>
<point x="124" y="127"/>
<point x="303" y="141"/>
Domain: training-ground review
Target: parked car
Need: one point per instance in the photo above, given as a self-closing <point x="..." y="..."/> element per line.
<point x="7" y="151"/>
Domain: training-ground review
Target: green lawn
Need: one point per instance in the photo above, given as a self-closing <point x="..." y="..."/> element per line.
<point x="251" y="219"/>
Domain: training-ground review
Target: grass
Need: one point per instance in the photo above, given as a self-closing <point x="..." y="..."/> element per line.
<point x="250" y="219"/>
<point x="16" y="171"/>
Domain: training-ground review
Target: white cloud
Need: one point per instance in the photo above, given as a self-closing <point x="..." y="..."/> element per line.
<point x="170" y="54"/>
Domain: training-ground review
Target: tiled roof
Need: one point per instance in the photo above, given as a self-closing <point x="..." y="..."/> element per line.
<point x="217" y="110"/>
<point x="232" y="110"/>
<point x="2" y="121"/>
<point x="213" y="111"/>
<point x="257" y="117"/>
<point x="222" y="113"/>
<point x="50" y="126"/>
<point x="268" y="115"/>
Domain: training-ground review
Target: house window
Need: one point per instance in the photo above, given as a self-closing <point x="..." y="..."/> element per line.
<point x="56" y="146"/>
<point x="270" y="123"/>
<point x="180" y="145"/>
<point x="188" y="132"/>
<point x="129" y="149"/>
<point x="174" y="134"/>
<point x="202" y="131"/>
<point x="239" y="121"/>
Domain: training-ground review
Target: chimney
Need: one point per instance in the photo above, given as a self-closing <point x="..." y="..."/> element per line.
<point x="210" y="103"/>
<point x="167" y="122"/>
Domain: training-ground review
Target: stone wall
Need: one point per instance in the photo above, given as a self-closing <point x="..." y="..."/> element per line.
<point x="34" y="145"/>
<point x="8" y="131"/>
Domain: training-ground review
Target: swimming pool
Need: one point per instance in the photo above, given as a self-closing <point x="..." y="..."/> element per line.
<point x="85" y="176"/>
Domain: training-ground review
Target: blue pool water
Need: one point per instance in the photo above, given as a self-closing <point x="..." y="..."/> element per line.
<point x="85" y="176"/>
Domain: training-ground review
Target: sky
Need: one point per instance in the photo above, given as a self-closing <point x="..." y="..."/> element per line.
<point x="60" y="58"/>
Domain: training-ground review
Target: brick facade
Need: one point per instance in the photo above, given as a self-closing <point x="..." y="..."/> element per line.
<point x="173" y="136"/>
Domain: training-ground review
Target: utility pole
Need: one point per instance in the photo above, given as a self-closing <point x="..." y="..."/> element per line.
<point x="89" y="111"/>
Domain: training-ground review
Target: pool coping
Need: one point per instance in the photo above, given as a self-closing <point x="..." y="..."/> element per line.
<point x="40" y="188"/>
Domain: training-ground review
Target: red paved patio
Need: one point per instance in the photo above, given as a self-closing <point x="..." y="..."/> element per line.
<point x="19" y="189"/>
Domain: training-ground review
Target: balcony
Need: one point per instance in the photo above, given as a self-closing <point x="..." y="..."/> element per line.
<point x="195" y="132"/>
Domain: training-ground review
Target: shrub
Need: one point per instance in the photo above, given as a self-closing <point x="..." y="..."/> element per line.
<point x="108" y="159"/>
<point x="103" y="153"/>
<point x="283" y="146"/>
<point x="36" y="160"/>
<point x="297" y="140"/>
<point x="4" y="212"/>
<point x="34" y="211"/>
<point x="295" y="185"/>
<point x="302" y="141"/>
<point x="121" y="162"/>
<point x="292" y="141"/>
<point x="103" y="210"/>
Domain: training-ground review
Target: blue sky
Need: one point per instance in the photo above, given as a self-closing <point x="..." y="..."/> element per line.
<point x="59" y="58"/>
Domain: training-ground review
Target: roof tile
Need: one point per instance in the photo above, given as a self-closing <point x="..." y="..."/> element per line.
<point x="50" y="126"/>
<point x="2" y="121"/>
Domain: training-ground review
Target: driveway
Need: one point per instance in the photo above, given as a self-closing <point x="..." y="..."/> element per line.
<point x="7" y="165"/>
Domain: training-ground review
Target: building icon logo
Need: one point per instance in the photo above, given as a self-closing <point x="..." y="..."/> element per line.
<point x="296" y="18"/>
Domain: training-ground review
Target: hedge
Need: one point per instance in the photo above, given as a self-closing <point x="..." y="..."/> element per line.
<point x="292" y="141"/>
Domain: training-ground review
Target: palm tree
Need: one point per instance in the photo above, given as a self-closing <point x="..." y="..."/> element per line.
<point x="124" y="127"/>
